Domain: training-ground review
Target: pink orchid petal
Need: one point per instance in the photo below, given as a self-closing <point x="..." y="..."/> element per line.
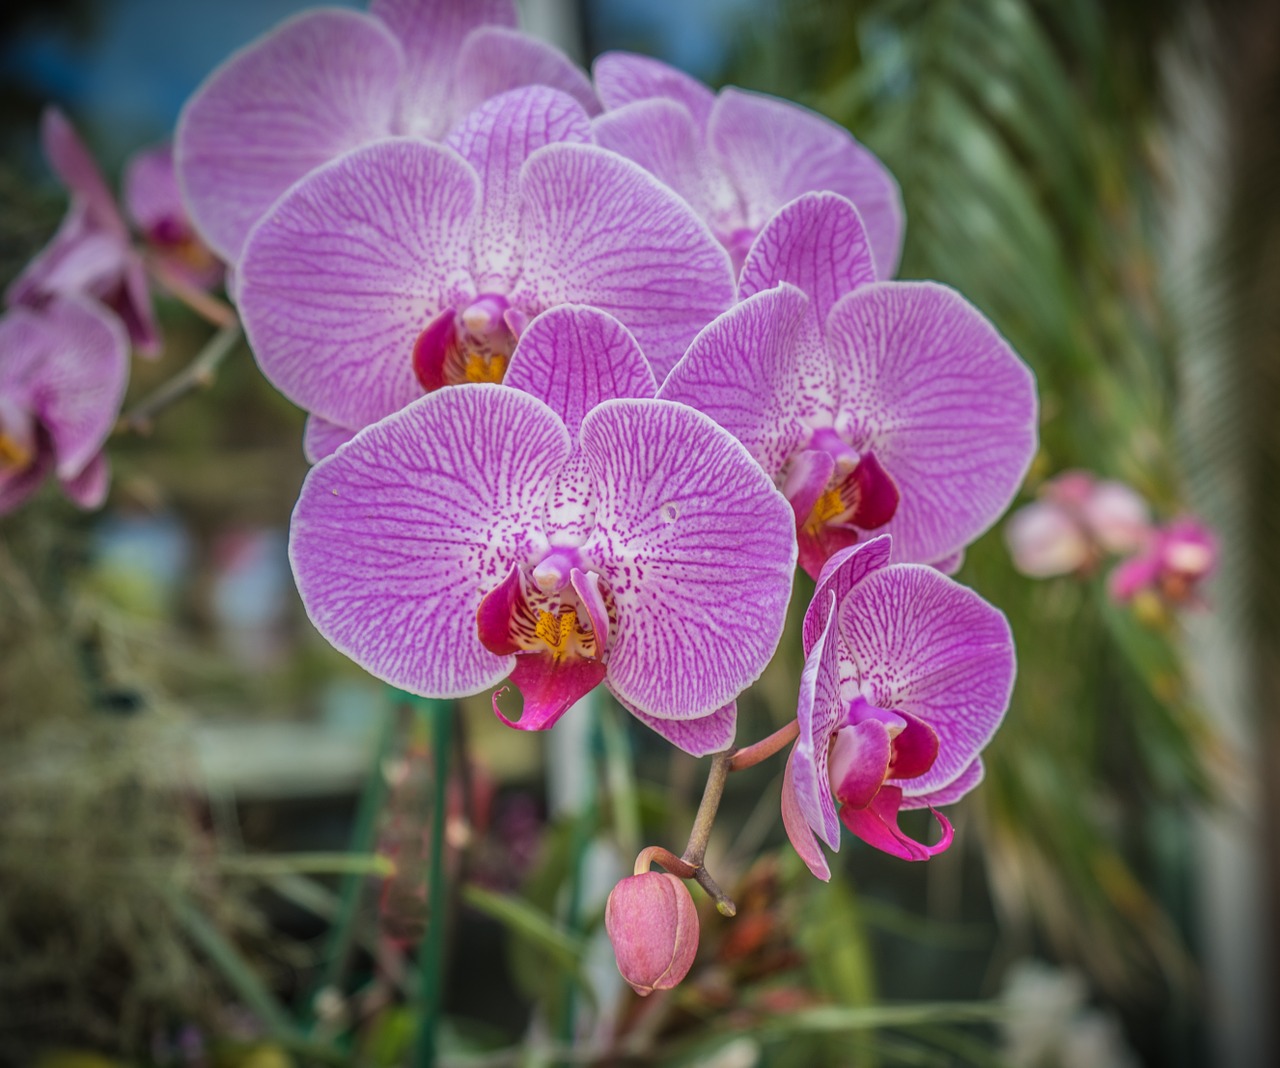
<point x="841" y="573"/>
<point x="78" y="171"/>
<point x="944" y="795"/>
<point x="797" y="826"/>
<point x="859" y="762"/>
<point x="599" y="230"/>
<point x="151" y="195"/>
<point x="493" y="616"/>
<point x="928" y="647"/>
<point x="587" y="586"/>
<point x="495" y="59"/>
<point x="623" y="77"/>
<point x="818" y="243"/>
<point x="549" y="687"/>
<point x="747" y="372"/>
<point x="17" y="489"/>
<point x="1044" y="539"/>
<point x="877" y="825"/>
<point x="818" y="544"/>
<point x="432" y="34"/>
<point x="698" y="557"/>
<point x="775" y="151"/>
<point x="496" y="139"/>
<point x="89" y="488"/>
<point x="951" y="563"/>
<point x="806" y="479"/>
<point x="1117" y="516"/>
<point x="339" y="281"/>
<point x="1132" y="576"/>
<point x="712" y="733"/>
<point x="397" y="536"/>
<point x="877" y="495"/>
<point x="320" y="84"/>
<point x="819" y="713"/>
<point x="948" y="408"/>
<point x="915" y="748"/>
<point x="573" y="358"/>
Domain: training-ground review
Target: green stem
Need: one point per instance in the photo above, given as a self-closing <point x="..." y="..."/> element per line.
<point x="439" y="716"/>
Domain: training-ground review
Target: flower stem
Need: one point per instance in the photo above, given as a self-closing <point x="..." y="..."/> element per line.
<point x="696" y="851"/>
<point x="208" y="307"/>
<point x="198" y="374"/>
<point x="751" y="755"/>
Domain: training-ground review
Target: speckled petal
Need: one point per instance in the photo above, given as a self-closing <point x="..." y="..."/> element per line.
<point x="318" y="85"/>
<point x="819" y="712"/>
<point x="944" y="795"/>
<point x="573" y="358"/>
<point x="339" y="280"/>
<point x="600" y="230"/>
<point x="841" y="573"/>
<point x="398" y="535"/>
<point x="699" y="557"/>
<point x="495" y="59"/>
<point x="775" y="150"/>
<point x="698" y="737"/>
<point x="624" y="77"/>
<point x="496" y="139"/>
<point x="321" y="438"/>
<point x="797" y="826"/>
<point x="947" y="406"/>
<point x="927" y="646"/>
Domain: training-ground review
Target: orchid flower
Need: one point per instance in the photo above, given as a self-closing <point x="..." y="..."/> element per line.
<point x="1180" y="556"/>
<point x="737" y="156"/>
<point x="328" y="81"/>
<point x="558" y="533"/>
<point x="1077" y="519"/>
<point x="889" y="406"/>
<point x="907" y="675"/>
<point x="406" y="266"/>
<point x="63" y="371"/>
<point x="91" y="253"/>
<point x="155" y="207"/>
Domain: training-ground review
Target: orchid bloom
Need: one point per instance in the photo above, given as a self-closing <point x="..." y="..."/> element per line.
<point x="892" y="406"/>
<point x="407" y="266"/>
<point x="558" y="533"/>
<point x="1077" y="519"/>
<point x="63" y="371"/>
<point x="154" y="205"/>
<point x="907" y="676"/>
<point x="91" y="253"/>
<point x="1178" y="559"/>
<point x="737" y="156"/>
<point x="328" y="81"/>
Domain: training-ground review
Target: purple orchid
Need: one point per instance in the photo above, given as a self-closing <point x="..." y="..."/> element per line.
<point x="738" y="157"/>
<point x="558" y="533"/>
<point x="891" y="406"/>
<point x="1176" y="561"/>
<point x="63" y="370"/>
<point x="328" y="81"/>
<point x="406" y="266"/>
<point x="91" y="253"/>
<point x="907" y="676"/>
<point x="154" y="205"/>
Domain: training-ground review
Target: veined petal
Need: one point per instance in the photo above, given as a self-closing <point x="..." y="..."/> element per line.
<point x="496" y="139"/>
<point x="775" y="150"/>
<point x="431" y="34"/>
<point x="624" y="77"/>
<point x="321" y="438"/>
<point x="599" y="230"/>
<point x="712" y="733"/>
<point x="745" y="371"/>
<point x="698" y="557"/>
<point x="946" y="405"/>
<point x="549" y="688"/>
<point x="951" y="563"/>
<point x="842" y="572"/>
<point x="929" y="647"/>
<point x="574" y="357"/>
<point x="797" y="825"/>
<point x="318" y="85"/>
<point x="819" y="712"/>
<point x="397" y="536"/>
<point x="944" y="795"/>
<point x="817" y="243"/>
<point x="340" y="279"/>
<point x="495" y="59"/>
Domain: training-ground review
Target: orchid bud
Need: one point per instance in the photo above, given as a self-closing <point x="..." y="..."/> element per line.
<point x="653" y="925"/>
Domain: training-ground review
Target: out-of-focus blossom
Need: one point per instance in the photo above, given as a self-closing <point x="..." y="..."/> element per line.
<point x="907" y="676"/>
<point x="557" y="533"/>
<point x="738" y="157"/>
<point x="91" y="254"/>
<point x="876" y="405"/>
<point x="406" y="266"/>
<point x="155" y="207"/>
<point x="328" y="81"/>
<point x="652" y="923"/>
<point x="63" y="371"/>
<point x="1077" y="519"/>
<point x="1173" y="566"/>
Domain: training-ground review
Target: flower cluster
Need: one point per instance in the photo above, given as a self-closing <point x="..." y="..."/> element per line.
<point x="1079" y="521"/>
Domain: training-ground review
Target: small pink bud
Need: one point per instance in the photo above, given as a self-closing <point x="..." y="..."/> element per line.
<point x="653" y="925"/>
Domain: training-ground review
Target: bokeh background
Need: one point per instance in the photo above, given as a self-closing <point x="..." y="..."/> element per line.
<point x="182" y="760"/>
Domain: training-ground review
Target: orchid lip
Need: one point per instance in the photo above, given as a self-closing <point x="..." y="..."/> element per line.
<point x="473" y="345"/>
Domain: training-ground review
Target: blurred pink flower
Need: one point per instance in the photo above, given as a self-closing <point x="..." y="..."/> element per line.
<point x="1180" y="556"/>
<point x="154" y="205"/>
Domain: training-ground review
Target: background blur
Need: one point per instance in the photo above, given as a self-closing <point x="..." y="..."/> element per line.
<point x="181" y="757"/>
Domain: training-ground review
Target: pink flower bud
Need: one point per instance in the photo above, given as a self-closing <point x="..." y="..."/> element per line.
<point x="653" y="925"/>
